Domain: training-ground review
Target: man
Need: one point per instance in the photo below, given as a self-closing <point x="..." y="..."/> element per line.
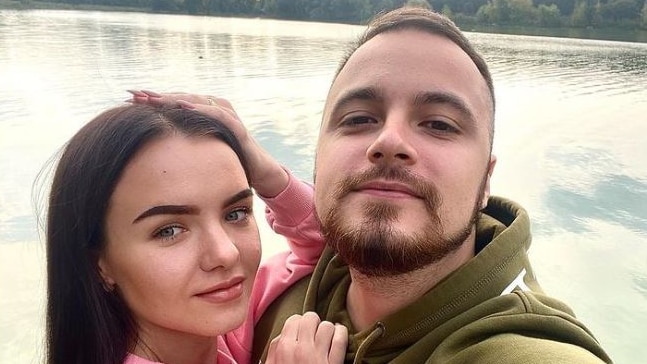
<point x="423" y="265"/>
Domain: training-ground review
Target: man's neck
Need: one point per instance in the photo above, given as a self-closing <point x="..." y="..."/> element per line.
<point x="396" y="292"/>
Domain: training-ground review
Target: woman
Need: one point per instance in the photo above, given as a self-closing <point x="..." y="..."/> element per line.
<point x="152" y="247"/>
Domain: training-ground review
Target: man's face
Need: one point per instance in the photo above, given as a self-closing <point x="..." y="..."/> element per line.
<point x="403" y="159"/>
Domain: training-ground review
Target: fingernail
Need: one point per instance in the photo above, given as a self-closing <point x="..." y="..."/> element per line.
<point x="151" y="93"/>
<point x="186" y="105"/>
<point x="137" y="93"/>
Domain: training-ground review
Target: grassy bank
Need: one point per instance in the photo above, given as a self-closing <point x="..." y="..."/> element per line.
<point x="466" y="23"/>
<point x="28" y="4"/>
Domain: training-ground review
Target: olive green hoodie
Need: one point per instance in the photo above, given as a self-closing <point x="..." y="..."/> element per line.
<point x="490" y="310"/>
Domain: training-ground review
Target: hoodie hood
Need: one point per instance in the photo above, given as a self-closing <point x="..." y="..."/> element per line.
<point x="488" y="310"/>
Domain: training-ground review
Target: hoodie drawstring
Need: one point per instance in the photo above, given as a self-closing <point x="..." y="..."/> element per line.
<point x="377" y="332"/>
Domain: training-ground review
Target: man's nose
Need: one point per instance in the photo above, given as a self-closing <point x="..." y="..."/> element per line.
<point x="393" y="144"/>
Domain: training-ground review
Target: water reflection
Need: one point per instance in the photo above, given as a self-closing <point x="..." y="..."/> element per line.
<point x="570" y="124"/>
<point x="582" y="66"/>
<point x="299" y="153"/>
<point x="640" y="281"/>
<point x="619" y="199"/>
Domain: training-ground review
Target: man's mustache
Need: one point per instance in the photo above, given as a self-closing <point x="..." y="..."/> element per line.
<point x="424" y="189"/>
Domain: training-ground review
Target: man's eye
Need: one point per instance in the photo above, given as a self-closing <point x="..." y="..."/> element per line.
<point x="441" y="126"/>
<point x="237" y="215"/>
<point x="358" y="120"/>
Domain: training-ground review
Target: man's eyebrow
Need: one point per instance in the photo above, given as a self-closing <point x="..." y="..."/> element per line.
<point x="189" y="210"/>
<point x="438" y="97"/>
<point x="167" y="210"/>
<point x="364" y="93"/>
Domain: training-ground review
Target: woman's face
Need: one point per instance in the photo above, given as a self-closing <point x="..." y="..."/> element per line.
<point x="182" y="244"/>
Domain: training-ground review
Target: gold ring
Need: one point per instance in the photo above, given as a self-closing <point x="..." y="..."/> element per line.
<point x="211" y="101"/>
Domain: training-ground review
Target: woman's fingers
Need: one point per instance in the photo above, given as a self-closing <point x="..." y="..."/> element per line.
<point x="323" y="337"/>
<point x="172" y="98"/>
<point x="224" y="115"/>
<point x="307" y="339"/>
<point x="338" y="345"/>
<point x="266" y="175"/>
<point x="182" y="99"/>
<point x="282" y="347"/>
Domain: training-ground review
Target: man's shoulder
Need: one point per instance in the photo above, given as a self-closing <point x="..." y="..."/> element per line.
<point x="520" y="327"/>
<point x="512" y="348"/>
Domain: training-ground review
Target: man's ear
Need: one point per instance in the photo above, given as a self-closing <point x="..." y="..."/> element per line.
<point x="486" y="188"/>
<point x="106" y="276"/>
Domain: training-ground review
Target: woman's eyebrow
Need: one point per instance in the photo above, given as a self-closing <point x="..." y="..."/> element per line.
<point x="188" y="209"/>
<point x="167" y="210"/>
<point x="239" y="196"/>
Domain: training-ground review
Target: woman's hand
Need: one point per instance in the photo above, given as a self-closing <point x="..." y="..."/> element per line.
<point x="267" y="176"/>
<point x="307" y="339"/>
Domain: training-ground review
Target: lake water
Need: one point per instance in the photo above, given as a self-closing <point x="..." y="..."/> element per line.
<point x="571" y="126"/>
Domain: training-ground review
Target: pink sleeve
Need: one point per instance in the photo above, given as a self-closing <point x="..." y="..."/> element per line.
<point x="291" y="214"/>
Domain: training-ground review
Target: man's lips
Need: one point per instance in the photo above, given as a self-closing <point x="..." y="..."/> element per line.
<point x="387" y="189"/>
<point x="224" y="291"/>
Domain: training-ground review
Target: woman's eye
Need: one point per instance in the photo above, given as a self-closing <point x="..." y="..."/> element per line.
<point x="169" y="232"/>
<point x="238" y="215"/>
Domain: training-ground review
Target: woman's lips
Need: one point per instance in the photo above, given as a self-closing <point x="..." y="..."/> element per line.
<point x="220" y="293"/>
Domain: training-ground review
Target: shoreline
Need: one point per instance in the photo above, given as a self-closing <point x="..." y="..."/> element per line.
<point x="605" y="33"/>
<point x="42" y="5"/>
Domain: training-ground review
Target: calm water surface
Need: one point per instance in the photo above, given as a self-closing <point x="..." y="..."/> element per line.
<point x="571" y="126"/>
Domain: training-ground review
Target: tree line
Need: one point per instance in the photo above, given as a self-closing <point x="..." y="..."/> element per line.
<point x="544" y="13"/>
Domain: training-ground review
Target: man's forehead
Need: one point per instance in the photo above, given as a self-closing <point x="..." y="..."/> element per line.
<point x="398" y="40"/>
<point x="407" y="55"/>
<point x="423" y="56"/>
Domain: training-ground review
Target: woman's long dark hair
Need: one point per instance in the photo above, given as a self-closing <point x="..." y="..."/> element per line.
<point x="86" y="324"/>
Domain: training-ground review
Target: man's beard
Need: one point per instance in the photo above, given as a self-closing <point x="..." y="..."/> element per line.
<point x="373" y="247"/>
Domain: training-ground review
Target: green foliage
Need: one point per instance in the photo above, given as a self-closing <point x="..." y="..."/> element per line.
<point x="494" y="12"/>
<point x="617" y="10"/>
<point x="546" y="13"/>
<point x="521" y="12"/>
<point x="508" y="12"/>
<point x="418" y="4"/>
<point x="195" y="6"/>
<point x="466" y="7"/>
<point x="565" y="6"/>
<point x="165" y="6"/>
<point x="447" y="11"/>
<point x="231" y="7"/>
<point x="583" y="13"/>
<point x="382" y="5"/>
<point x="549" y="16"/>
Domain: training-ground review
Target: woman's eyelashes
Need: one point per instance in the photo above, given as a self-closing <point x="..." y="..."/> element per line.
<point x="169" y="232"/>
<point x="239" y="214"/>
